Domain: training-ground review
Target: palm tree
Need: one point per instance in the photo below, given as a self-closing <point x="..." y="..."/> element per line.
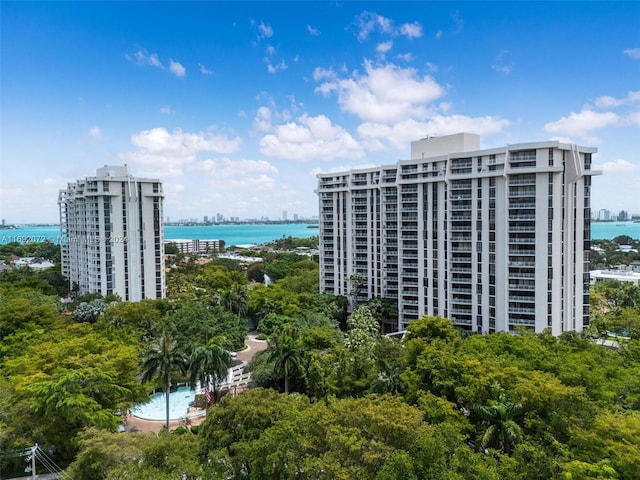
<point x="498" y="420"/>
<point x="163" y="359"/>
<point x="210" y="361"/>
<point x="234" y="300"/>
<point x="286" y="357"/>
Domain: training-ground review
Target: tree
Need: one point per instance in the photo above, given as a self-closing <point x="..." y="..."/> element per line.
<point x="363" y="332"/>
<point x="430" y="328"/>
<point x="163" y="359"/>
<point x="498" y="420"/>
<point x="286" y="356"/>
<point x="234" y="300"/>
<point x="210" y="361"/>
<point x="90" y="311"/>
<point x="66" y="380"/>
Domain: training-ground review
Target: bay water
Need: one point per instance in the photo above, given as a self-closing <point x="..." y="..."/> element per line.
<point x="241" y="234"/>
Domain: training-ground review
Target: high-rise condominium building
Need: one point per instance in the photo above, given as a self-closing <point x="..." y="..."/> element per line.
<point x="112" y="236"/>
<point x="494" y="239"/>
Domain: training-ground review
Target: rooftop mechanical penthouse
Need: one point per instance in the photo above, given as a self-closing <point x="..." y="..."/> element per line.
<point x="494" y="239"/>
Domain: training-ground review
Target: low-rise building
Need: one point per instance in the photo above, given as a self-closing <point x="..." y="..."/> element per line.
<point x="598" y="276"/>
<point x="197" y="246"/>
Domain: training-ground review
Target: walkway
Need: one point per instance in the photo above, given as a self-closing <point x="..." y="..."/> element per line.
<point x="138" y="425"/>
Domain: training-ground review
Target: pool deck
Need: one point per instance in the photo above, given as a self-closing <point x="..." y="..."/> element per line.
<point x="134" y="424"/>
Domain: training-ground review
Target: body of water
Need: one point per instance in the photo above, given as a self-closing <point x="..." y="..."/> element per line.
<point x="231" y="234"/>
<point x="262" y="233"/>
<point x="180" y="403"/>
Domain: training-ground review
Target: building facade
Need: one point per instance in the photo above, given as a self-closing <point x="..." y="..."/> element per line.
<point x="197" y="246"/>
<point x="112" y="235"/>
<point x="494" y="239"/>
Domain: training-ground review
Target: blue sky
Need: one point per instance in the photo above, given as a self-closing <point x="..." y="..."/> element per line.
<point x="237" y="106"/>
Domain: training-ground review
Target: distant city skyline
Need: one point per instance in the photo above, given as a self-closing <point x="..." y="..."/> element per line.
<point x="236" y="109"/>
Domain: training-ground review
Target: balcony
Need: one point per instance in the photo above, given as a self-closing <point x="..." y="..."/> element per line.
<point x="522" y="181"/>
<point x="522" y="264"/>
<point x="521" y="298"/>
<point x="521" y="206"/>
<point x="529" y="241"/>
<point x="522" y="275"/>
<point x="461" y="301"/>
<point x="461" y="270"/>
<point x="460" y="311"/>
<point x="521" y="287"/>
<point x="522" y="310"/>
<point x="514" y="229"/>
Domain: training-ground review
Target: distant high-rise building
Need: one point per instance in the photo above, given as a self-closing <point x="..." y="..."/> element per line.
<point x="494" y="239"/>
<point x="604" y="215"/>
<point x="206" y="219"/>
<point x="112" y="236"/>
<point x="295" y="217"/>
<point x="623" y="216"/>
<point x="284" y="215"/>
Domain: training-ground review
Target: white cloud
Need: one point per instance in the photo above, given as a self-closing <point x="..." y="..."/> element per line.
<point x="501" y="63"/>
<point x="167" y="110"/>
<point x="177" y="69"/>
<point x="368" y="22"/>
<point x="581" y="124"/>
<point x="171" y="188"/>
<point x="314" y="32"/>
<point x="384" y="47"/>
<point x="277" y="67"/>
<point x="145" y="59"/>
<point x="411" y="30"/>
<point x="384" y="94"/>
<point x="247" y="185"/>
<point x="632" y="53"/>
<point x="142" y="57"/>
<point x="271" y="68"/>
<point x="340" y="168"/>
<point x="225" y="168"/>
<point x="165" y="154"/>
<point x="607" y="101"/>
<point x="204" y="70"/>
<point x="262" y="120"/>
<point x="95" y="133"/>
<point x="375" y="136"/>
<point x="320" y="73"/>
<point x="264" y="30"/>
<point x="438" y="35"/>
<point x="618" y="166"/>
<point x="506" y="69"/>
<point x="310" y="138"/>
<point x="405" y="57"/>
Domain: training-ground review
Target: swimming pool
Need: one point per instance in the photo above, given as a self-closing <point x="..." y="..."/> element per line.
<point x="155" y="408"/>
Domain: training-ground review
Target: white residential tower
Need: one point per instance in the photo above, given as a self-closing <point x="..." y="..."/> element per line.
<point x="494" y="239"/>
<point x="112" y="236"/>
